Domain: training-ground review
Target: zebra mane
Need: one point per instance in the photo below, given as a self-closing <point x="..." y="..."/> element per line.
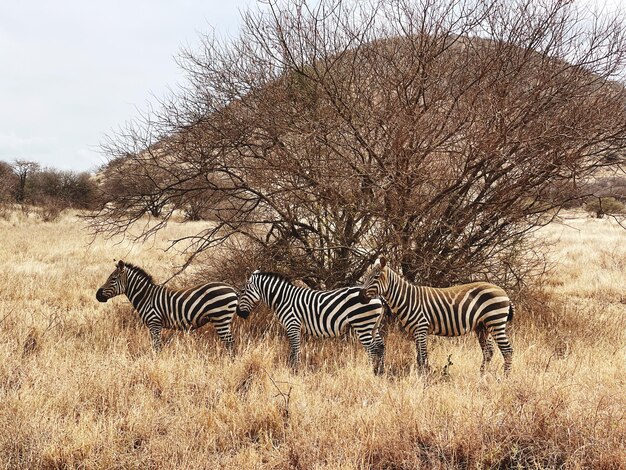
<point x="274" y="275"/>
<point x="140" y="271"/>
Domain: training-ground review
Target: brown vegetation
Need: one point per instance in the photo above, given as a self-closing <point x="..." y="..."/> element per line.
<point x="79" y="387"/>
<point x="45" y="192"/>
<point x="602" y="206"/>
<point x="440" y="133"/>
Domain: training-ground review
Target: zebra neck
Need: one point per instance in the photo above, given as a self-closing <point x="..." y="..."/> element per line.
<point x="274" y="293"/>
<point x="400" y="291"/>
<point x="140" y="291"/>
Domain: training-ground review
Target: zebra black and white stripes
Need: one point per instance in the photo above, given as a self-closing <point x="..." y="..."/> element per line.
<point x="184" y="309"/>
<point x="319" y="313"/>
<point x="453" y="311"/>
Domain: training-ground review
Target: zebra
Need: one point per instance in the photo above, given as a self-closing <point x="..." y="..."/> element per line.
<point x="453" y="311"/>
<point x="319" y="313"/>
<point x="160" y="307"/>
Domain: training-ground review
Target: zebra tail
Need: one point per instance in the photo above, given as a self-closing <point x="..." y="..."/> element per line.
<point x="511" y="312"/>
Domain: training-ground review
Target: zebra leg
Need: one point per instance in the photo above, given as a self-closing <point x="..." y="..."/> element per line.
<point x="293" y="333"/>
<point x="155" y="334"/>
<point x="378" y="347"/>
<point x="502" y="340"/>
<point x="376" y="352"/>
<point x="486" y="345"/>
<point x="225" y="335"/>
<point x="375" y="348"/>
<point x="422" y="352"/>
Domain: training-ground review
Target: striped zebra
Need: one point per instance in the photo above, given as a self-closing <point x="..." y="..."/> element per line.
<point x="452" y="311"/>
<point x="319" y="313"/>
<point x="184" y="309"/>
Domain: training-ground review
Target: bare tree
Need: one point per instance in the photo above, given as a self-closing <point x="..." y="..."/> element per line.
<point x="61" y="188"/>
<point x="23" y="169"/>
<point x="440" y="133"/>
<point x="136" y="181"/>
<point x="8" y="183"/>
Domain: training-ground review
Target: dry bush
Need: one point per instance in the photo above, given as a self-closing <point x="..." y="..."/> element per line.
<point x="48" y="189"/>
<point x="64" y="189"/>
<point x="602" y="206"/>
<point x="612" y="185"/>
<point x="51" y="210"/>
<point x="5" y="211"/>
<point x="9" y="182"/>
<point x="442" y="133"/>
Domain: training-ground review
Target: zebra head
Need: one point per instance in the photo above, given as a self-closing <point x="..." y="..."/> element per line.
<point x="375" y="283"/>
<point x="249" y="296"/>
<point x="115" y="284"/>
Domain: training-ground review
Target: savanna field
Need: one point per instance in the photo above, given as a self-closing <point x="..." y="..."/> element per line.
<point x="81" y="387"/>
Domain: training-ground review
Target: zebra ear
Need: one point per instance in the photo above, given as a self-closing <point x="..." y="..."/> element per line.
<point x="120" y="265"/>
<point x="383" y="261"/>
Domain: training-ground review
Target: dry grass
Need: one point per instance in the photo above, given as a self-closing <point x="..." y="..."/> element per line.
<point x="79" y="385"/>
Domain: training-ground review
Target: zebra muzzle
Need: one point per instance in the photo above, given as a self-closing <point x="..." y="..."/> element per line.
<point x="363" y="297"/>
<point x="242" y="313"/>
<point x="100" y="296"/>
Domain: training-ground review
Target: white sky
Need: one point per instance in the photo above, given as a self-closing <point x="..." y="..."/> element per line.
<point x="72" y="71"/>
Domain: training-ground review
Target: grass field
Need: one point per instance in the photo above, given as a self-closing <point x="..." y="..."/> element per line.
<point x="80" y="386"/>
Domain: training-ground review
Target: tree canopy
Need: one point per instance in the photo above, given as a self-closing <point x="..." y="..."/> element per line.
<point x="440" y="133"/>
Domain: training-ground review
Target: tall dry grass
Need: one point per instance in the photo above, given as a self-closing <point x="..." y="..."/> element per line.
<point x="80" y="386"/>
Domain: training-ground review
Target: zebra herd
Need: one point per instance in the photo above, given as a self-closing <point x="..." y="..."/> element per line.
<point x="453" y="311"/>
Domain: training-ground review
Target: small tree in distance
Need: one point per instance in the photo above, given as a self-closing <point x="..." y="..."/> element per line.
<point x="605" y="205"/>
<point x="23" y="169"/>
<point x="439" y="133"/>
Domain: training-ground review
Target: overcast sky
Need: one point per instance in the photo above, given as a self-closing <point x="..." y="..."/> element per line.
<point x="73" y="70"/>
